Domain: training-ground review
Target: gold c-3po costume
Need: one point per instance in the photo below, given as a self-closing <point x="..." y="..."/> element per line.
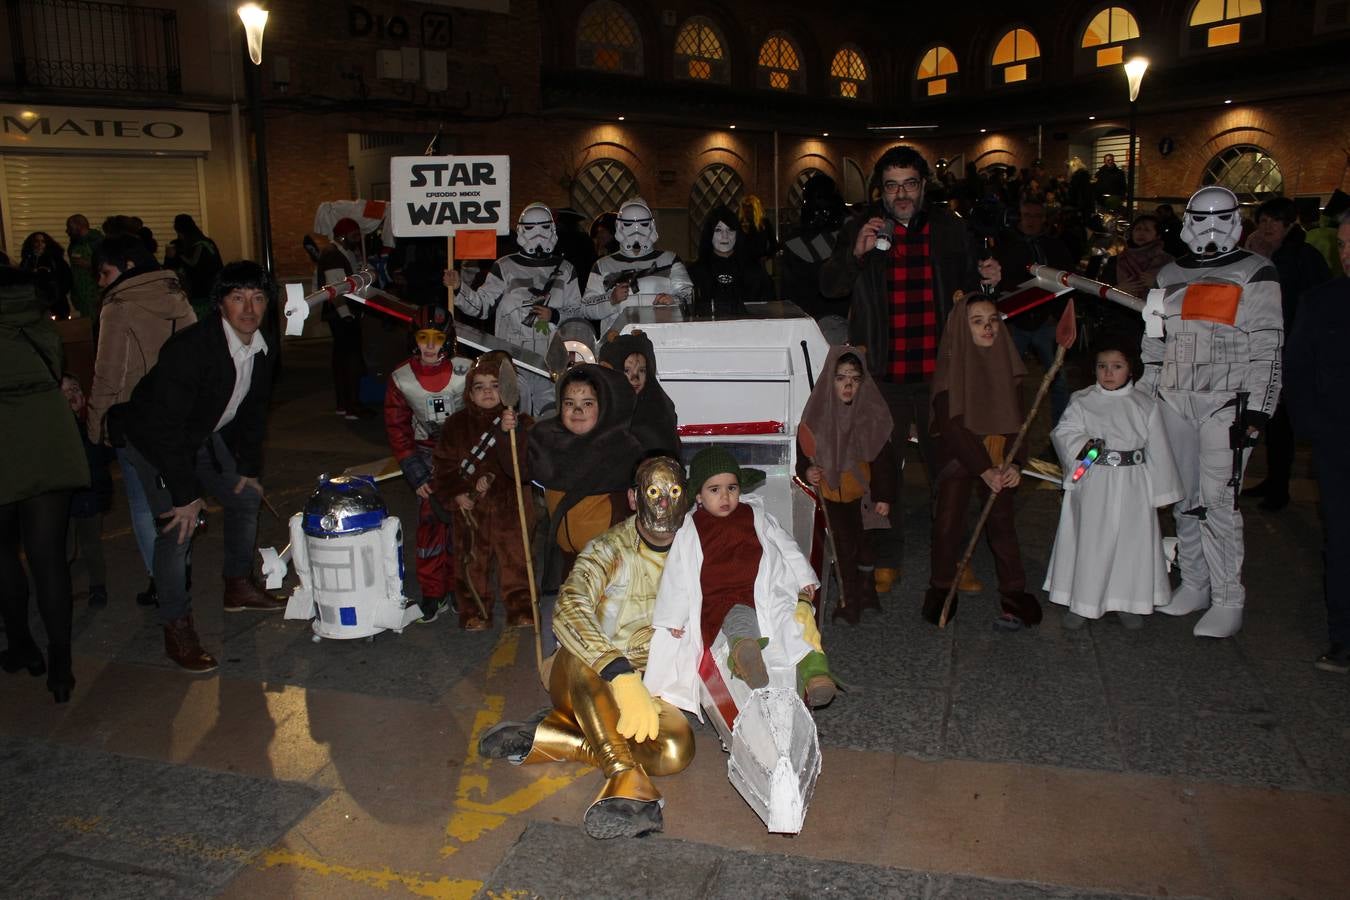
<point x="603" y="622"/>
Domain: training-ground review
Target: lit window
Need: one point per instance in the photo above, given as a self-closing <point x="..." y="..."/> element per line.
<point x="1247" y="171"/>
<point x="1225" y="23"/>
<point x="1016" y="57"/>
<point x="933" y="78"/>
<point x="699" y="53"/>
<point x="848" y="71"/>
<point x="1106" y="34"/>
<point x="780" y="64"/>
<point x="608" y="39"/>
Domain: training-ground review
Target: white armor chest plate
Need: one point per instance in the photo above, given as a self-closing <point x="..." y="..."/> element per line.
<point x="430" y="409"/>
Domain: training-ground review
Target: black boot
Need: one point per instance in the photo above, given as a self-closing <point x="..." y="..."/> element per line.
<point x="933" y="599"/>
<point x="60" y="676"/>
<point x="22" y="654"/>
<point x="149" y="596"/>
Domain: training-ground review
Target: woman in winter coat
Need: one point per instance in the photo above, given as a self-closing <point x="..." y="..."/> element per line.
<point x="43" y="461"/>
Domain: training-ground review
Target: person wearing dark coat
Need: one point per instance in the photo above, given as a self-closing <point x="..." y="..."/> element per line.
<point x="1314" y="391"/>
<point x="52" y="276"/>
<point x="43" y="462"/>
<point x="1301" y="268"/>
<point x="194" y="427"/>
<point x="804" y="255"/>
<point x="726" y="274"/>
<point x="654" y="422"/>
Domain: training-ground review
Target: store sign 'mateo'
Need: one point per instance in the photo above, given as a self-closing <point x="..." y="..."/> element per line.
<point x="89" y="128"/>
<point x="435" y="196"/>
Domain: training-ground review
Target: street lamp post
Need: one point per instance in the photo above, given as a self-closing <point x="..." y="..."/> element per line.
<point x="254" y="18"/>
<point x="1134" y="74"/>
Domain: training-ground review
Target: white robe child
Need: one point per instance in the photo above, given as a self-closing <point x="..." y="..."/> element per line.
<point x="672" y="663"/>
<point x="1108" y="550"/>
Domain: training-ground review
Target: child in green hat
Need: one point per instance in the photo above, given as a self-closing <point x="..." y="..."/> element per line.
<point x="733" y="569"/>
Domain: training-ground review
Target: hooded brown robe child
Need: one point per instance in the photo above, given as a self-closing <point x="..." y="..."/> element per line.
<point x="472" y="446"/>
<point x="585" y="476"/>
<point x="654" y="421"/>
<point x="976" y="414"/>
<point x="853" y="447"/>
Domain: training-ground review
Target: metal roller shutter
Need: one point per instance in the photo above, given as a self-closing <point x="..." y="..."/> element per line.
<point x="39" y="193"/>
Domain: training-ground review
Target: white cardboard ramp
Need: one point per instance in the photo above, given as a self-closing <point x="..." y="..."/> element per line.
<point x="771" y="735"/>
<point x="775" y="758"/>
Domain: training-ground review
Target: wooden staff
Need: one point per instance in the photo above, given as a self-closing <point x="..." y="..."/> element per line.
<point x="1065" y="332"/>
<point x="510" y="391"/>
<point x="807" y="439"/>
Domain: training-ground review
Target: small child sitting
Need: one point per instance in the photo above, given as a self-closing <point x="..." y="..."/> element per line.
<point x="733" y="569"/>
<point x="851" y="425"/>
<point x="1108" y="549"/>
<point x="976" y="415"/>
<point x="88" y="505"/>
<point x="473" y="473"/>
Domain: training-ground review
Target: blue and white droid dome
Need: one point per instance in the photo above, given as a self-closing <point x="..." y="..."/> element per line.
<point x="343" y="505"/>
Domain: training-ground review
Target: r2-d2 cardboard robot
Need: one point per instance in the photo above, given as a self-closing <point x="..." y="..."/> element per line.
<point x="348" y="553"/>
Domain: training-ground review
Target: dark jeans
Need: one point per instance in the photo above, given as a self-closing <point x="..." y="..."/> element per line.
<point x="951" y="530"/>
<point x="1279" y="454"/>
<point x="348" y="361"/>
<point x="1333" y="482"/>
<point x="172" y="559"/>
<point x="909" y="405"/>
<point x="38" y="524"/>
<point x="1042" y="341"/>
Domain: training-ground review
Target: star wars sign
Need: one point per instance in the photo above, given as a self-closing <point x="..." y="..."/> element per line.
<point x="435" y="196"/>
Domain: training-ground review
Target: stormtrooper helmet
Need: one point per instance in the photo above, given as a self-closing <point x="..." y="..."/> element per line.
<point x="1211" y="223"/>
<point x="636" y="232"/>
<point x="535" y="232"/>
<point x="662" y="495"/>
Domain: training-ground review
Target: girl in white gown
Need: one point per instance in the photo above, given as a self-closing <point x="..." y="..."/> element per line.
<point x="1108" y="550"/>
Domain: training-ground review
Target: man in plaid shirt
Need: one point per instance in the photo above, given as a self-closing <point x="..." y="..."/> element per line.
<point x="902" y="295"/>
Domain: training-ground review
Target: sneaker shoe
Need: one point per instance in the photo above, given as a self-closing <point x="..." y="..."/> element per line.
<point x="1336" y="659"/>
<point x="510" y="740"/>
<point x="432" y="607"/>
<point x="747" y="663"/>
<point x="98" y="596"/>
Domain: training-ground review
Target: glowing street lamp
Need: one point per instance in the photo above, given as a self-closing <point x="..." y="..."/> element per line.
<point x="1134" y="75"/>
<point x="254" y="18"/>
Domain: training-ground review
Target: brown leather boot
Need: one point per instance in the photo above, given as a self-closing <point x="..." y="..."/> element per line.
<point x="182" y="645"/>
<point x="242" y="593"/>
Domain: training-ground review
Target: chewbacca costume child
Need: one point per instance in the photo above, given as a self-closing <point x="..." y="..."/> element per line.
<point x="474" y="452"/>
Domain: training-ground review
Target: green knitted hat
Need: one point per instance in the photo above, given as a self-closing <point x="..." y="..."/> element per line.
<point x="715" y="460"/>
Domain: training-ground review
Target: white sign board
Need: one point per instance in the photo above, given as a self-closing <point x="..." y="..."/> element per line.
<point x="435" y="196"/>
<point x="42" y="127"/>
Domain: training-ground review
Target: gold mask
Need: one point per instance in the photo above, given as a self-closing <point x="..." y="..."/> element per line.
<point x="662" y="496"/>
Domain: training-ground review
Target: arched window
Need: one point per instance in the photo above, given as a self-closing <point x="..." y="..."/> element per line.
<point x="700" y="53"/>
<point x="601" y="187"/>
<point x="1016" y="58"/>
<point x="1105" y="37"/>
<point x="934" y="78"/>
<point x="1225" y="23"/>
<point x="780" y="63"/>
<point x="848" y="74"/>
<point x="608" y="39"/>
<point x="1246" y="170"/>
<point x="717" y="185"/>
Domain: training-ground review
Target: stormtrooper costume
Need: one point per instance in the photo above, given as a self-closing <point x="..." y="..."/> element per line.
<point x="1224" y="329"/>
<point x="656" y="271"/>
<point x="538" y="275"/>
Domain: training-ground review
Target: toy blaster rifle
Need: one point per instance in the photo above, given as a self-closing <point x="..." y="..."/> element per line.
<point x="630" y="277"/>
<point x="1238" y="441"/>
<point x="1090" y="453"/>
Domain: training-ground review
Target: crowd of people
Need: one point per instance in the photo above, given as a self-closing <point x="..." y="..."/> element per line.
<point x="651" y="562"/>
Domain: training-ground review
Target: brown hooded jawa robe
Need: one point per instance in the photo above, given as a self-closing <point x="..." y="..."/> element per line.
<point x="853" y="446"/>
<point x="585" y="476"/>
<point x="976" y="413"/>
<point x="472" y="445"/>
<point x="654" y="421"/>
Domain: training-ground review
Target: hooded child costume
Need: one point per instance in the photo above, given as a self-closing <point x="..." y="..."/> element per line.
<point x="654" y="421"/>
<point x="853" y="446"/>
<point x="975" y="416"/>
